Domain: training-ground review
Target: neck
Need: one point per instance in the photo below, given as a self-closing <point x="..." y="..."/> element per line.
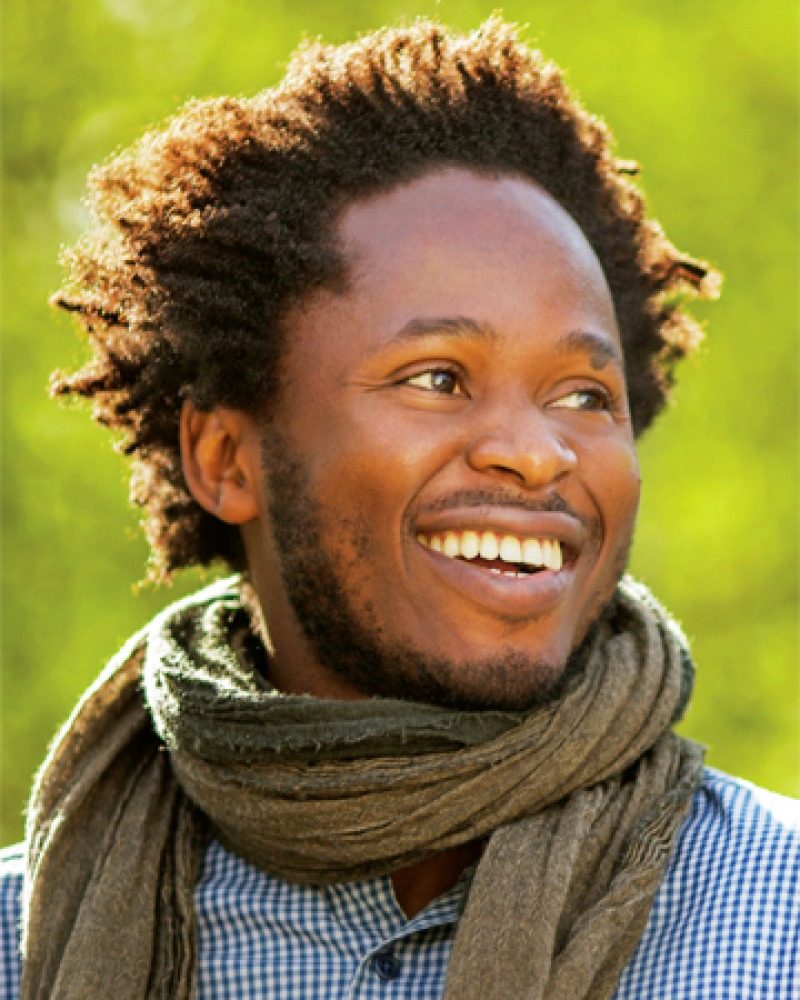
<point x="418" y="885"/>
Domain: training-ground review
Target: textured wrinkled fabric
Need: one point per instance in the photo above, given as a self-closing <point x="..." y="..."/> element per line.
<point x="579" y="802"/>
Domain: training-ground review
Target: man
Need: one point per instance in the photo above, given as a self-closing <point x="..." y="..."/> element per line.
<point x="381" y="339"/>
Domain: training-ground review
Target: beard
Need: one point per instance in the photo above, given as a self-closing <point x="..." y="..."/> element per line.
<point x="347" y="637"/>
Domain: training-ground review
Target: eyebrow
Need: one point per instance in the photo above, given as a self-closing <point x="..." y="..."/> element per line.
<point x="600" y="348"/>
<point x="457" y="326"/>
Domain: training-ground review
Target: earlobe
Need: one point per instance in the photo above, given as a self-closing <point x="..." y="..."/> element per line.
<point x="217" y="462"/>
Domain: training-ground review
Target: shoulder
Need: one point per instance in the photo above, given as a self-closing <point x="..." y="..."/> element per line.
<point x="737" y="814"/>
<point x="726" y="920"/>
<point x="740" y="845"/>
<point x="11" y="875"/>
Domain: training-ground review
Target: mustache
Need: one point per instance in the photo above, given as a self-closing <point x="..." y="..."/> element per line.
<point x="552" y="503"/>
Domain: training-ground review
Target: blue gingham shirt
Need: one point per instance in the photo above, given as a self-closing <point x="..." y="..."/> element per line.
<point x="725" y="924"/>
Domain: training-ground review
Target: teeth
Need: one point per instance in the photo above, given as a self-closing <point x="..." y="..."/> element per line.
<point x="510" y="549"/>
<point x="470" y="545"/>
<point x="490" y="547"/>
<point x="532" y="552"/>
<point x="537" y="552"/>
<point x="451" y="546"/>
<point x="551" y="554"/>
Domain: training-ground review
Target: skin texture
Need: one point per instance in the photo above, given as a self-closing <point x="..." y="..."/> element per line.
<point x="469" y="376"/>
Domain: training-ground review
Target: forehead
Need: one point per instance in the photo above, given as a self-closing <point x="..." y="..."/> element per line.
<point x="448" y="253"/>
<point x="470" y="243"/>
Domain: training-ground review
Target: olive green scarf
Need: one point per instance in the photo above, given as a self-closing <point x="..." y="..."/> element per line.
<point x="580" y="800"/>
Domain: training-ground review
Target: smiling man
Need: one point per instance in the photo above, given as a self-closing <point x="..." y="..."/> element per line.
<point x="456" y="511"/>
<point x="381" y="339"/>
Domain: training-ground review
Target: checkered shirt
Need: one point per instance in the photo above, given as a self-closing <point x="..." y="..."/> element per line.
<point x="725" y="924"/>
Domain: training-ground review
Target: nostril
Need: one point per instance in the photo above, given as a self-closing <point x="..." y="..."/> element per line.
<point x="534" y="461"/>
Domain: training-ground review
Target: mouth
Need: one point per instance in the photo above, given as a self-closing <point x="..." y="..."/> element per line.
<point x="507" y="555"/>
<point x="513" y="564"/>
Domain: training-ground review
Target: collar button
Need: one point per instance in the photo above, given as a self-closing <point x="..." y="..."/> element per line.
<point x="386" y="965"/>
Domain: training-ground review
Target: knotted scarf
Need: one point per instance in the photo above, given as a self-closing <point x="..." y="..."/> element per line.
<point x="182" y="738"/>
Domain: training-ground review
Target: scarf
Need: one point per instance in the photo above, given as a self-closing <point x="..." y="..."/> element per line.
<point x="580" y="800"/>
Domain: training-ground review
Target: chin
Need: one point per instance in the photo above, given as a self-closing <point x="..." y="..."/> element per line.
<point x="509" y="679"/>
<point x="510" y="682"/>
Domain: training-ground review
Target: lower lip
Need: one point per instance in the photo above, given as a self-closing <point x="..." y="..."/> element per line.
<point x="528" y="596"/>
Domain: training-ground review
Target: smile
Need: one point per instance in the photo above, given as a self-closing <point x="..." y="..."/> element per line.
<point x="502" y="554"/>
<point x="514" y="563"/>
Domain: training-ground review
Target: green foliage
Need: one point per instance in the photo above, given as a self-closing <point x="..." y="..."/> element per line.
<point x="702" y="94"/>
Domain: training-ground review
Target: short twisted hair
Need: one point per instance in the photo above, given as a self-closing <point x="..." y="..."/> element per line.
<point x="206" y="231"/>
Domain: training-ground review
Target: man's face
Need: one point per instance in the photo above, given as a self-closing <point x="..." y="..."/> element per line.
<point x="449" y="483"/>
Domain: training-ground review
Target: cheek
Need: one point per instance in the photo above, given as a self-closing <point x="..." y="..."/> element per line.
<point x="377" y="463"/>
<point x="628" y="479"/>
<point x="615" y="484"/>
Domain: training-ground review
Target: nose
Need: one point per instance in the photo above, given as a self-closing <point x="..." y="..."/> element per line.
<point x="525" y="446"/>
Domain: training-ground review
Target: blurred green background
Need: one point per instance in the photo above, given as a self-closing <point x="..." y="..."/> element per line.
<point x="702" y="94"/>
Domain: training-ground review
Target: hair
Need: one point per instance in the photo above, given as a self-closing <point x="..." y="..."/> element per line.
<point x="205" y="232"/>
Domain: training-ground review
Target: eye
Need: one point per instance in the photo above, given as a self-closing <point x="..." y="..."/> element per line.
<point x="583" y="399"/>
<point x="441" y="380"/>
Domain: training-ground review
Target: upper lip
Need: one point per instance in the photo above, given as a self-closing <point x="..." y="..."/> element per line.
<point x="507" y="521"/>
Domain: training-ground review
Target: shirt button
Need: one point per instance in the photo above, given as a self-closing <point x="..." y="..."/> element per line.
<point x="386" y="965"/>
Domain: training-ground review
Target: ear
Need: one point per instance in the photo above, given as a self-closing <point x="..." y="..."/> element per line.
<point x="219" y="453"/>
